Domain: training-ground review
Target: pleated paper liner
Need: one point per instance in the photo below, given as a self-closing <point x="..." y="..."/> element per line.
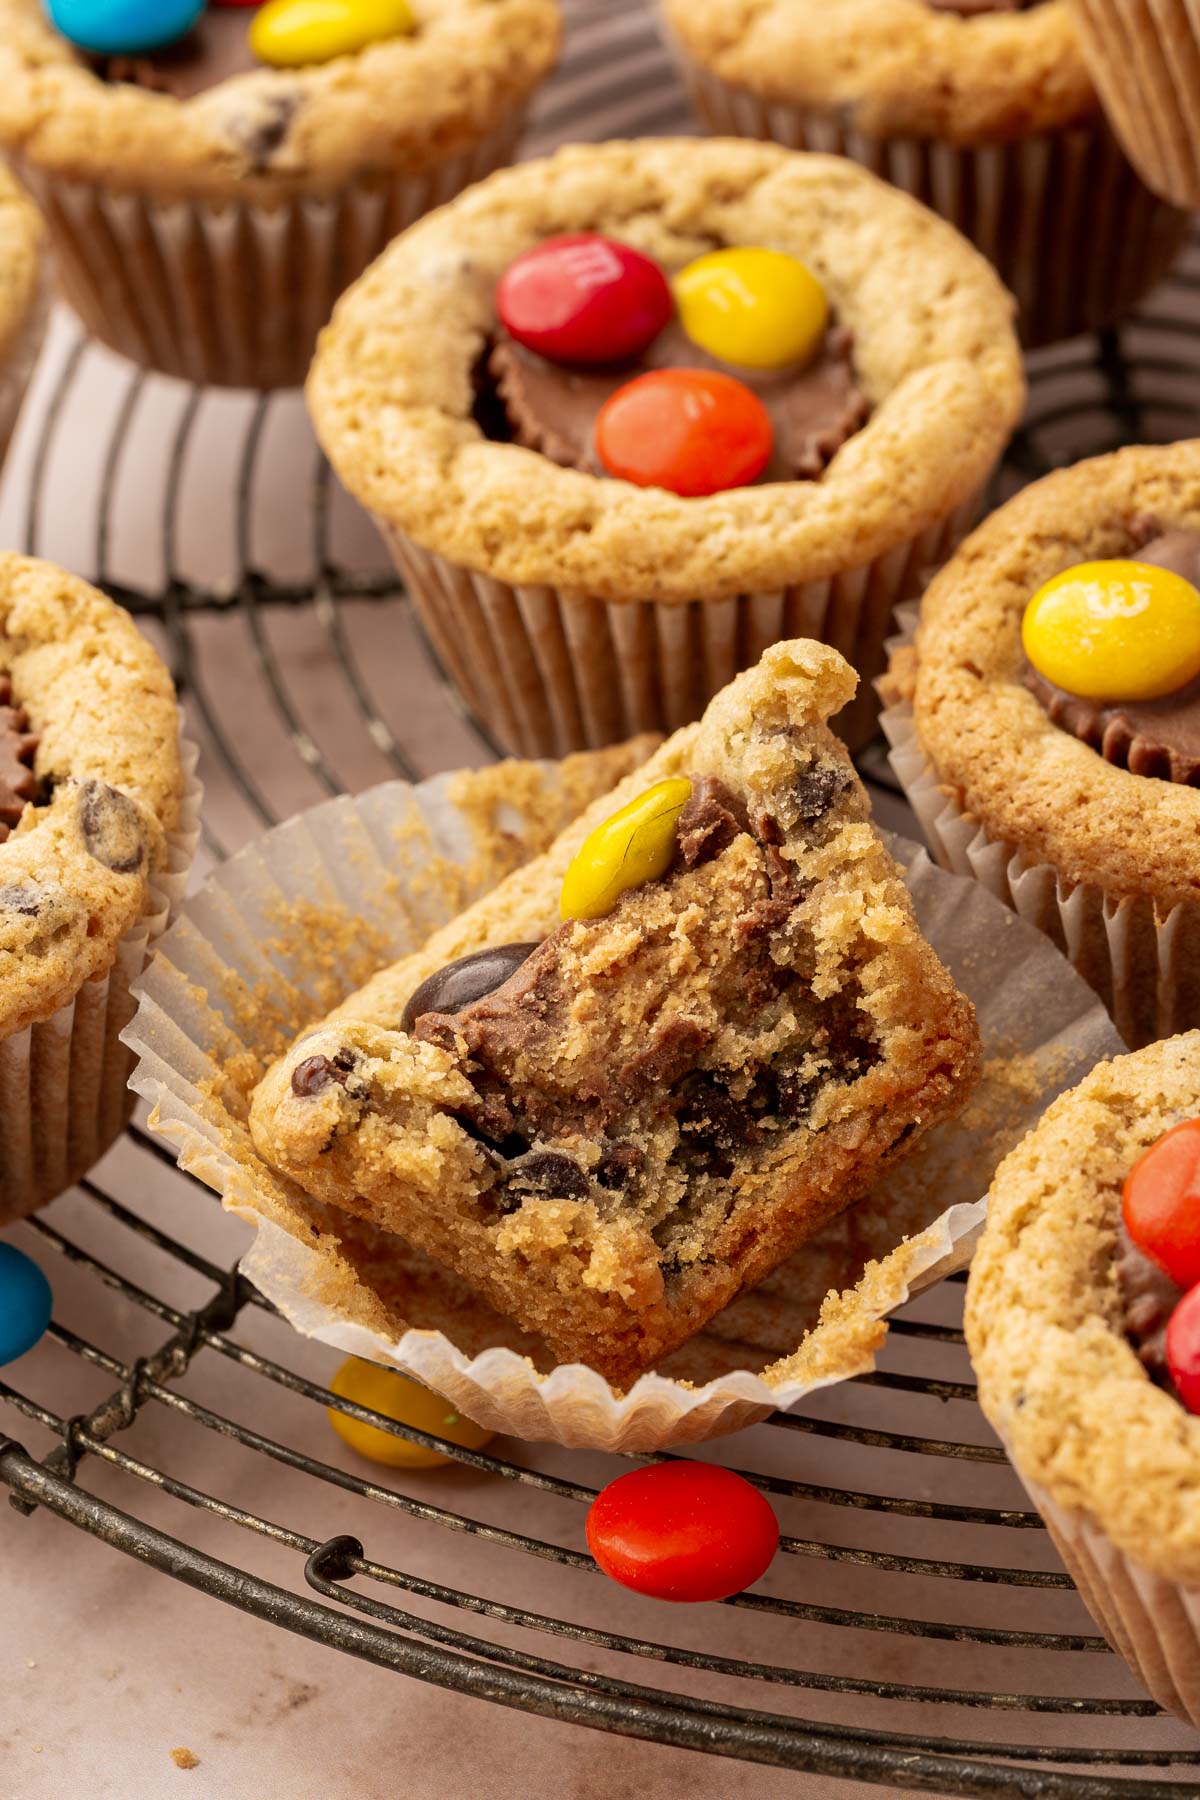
<point x="1144" y="56"/>
<point x="237" y="976"/>
<point x="64" y="1093"/>
<point x="1145" y="969"/>
<point x="547" y="670"/>
<point x="230" y="293"/>
<point x="1062" y="216"/>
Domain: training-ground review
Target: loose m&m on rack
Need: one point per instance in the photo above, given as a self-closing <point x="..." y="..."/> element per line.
<point x="1115" y="630"/>
<point x="683" y="1531"/>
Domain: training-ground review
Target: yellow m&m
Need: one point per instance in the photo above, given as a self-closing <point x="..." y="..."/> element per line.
<point x="636" y="844"/>
<point x="290" y="34"/>
<point x="758" y="308"/>
<point x="383" y="1391"/>
<point x="1115" y="630"/>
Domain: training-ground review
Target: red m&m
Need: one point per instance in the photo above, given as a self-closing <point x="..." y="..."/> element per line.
<point x="584" y="299"/>
<point x="682" y="1531"/>
<point x="1183" y="1350"/>
<point x="692" y="431"/>
<point x="1161" y="1203"/>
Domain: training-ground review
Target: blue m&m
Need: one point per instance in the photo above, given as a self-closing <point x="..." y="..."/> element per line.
<point x="25" y="1303"/>
<point x="123" y="27"/>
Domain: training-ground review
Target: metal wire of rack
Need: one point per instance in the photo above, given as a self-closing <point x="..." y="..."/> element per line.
<point x="917" y="1631"/>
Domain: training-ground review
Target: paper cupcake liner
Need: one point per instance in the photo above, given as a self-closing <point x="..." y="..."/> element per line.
<point x="21" y="355"/>
<point x="546" y="670"/>
<point x="1145" y="970"/>
<point x="64" y="1082"/>
<point x="1144" y="57"/>
<point x="230" y="293"/>
<point x="1062" y="216"/>
<point x="236" y="978"/>
<point x="1153" y="1623"/>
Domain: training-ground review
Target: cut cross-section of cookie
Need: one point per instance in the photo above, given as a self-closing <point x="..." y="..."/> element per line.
<point x="670" y="1091"/>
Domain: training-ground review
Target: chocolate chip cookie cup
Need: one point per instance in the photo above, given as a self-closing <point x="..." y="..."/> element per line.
<point x="572" y="608"/>
<point x="1082" y="814"/>
<point x="24" y="300"/>
<point x="986" y="113"/>
<point x="1109" y="1457"/>
<point x="206" y="211"/>
<point x="98" y="822"/>
<point x="1143" y="56"/>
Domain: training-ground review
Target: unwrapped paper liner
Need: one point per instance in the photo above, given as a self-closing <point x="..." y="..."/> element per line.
<point x="64" y="1080"/>
<point x="333" y="1277"/>
<point x="1146" y="970"/>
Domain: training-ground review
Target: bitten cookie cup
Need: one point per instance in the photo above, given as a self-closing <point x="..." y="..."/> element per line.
<point x="1111" y="1461"/>
<point x="208" y="237"/>
<point x="1101" y="859"/>
<point x="98" y="822"/>
<point x="1144" y="56"/>
<point x="571" y="608"/>
<point x="990" y="119"/>
<point x="24" y="300"/>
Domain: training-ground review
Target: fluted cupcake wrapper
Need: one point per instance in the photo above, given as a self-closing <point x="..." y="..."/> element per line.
<point x="1145" y="969"/>
<point x="232" y="293"/>
<point x="546" y="670"/>
<point x="1144" y="57"/>
<point x="1062" y="216"/>
<point x="64" y="1082"/>
<point x="237" y="977"/>
<point x="17" y="364"/>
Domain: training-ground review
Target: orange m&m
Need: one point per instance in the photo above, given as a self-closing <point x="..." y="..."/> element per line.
<point x="1161" y="1203"/>
<point x="691" y="431"/>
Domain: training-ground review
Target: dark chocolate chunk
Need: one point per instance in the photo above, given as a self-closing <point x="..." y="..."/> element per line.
<point x="709" y="822"/>
<point x="550" y="1173"/>
<point x="15" y="898"/>
<point x="18" y="746"/>
<point x="816" y="789"/>
<point x="112" y="828"/>
<point x="618" y="1164"/>
<point x="461" y="983"/>
<point x="315" y="1073"/>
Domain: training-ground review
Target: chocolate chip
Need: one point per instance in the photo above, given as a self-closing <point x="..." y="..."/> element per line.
<point x="262" y="136"/>
<point x="551" y="1174"/>
<point x="816" y="789"/>
<point x="315" y="1073"/>
<point x="618" y="1163"/>
<point x="24" y="900"/>
<point x="452" y="989"/>
<point x="112" y="828"/>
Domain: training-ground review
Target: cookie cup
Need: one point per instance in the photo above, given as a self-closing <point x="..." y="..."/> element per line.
<point x="89" y="880"/>
<point x="369" y="878"/>
<point x="572" y="609"/>
<point x="208" y="238"/>
<point x="992" y="121"/>
<point x="1111" y="1461"/>
<point x="1144" y="57"/>
<point x="24" y="300"/>
<point x="1102" y="860"/>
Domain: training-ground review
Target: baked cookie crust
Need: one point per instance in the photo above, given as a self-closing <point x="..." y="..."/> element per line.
<point x="392" y="389"/>
<point x="74" y="873"/>
<point x="21" y="239"/>
<point x="898" y="68"/>
<point x="404" y="103"/>
<point x="1028" y="782"/>
<point x="1044" y="1316"/>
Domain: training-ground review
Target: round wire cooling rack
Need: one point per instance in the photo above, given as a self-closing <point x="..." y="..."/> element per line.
<point x="917" y="1631"/>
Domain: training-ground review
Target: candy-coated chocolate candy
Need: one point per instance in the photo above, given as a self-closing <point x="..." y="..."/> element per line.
<point x="1161" y="1203"/>
<point x="682" y="1531"/>
<point x="691" y="431"/>
<point x="383" y="1391"/>
<point x="759" y="308"/>
<point x="25" y="1303"/>
<point x="584" y="299"/>
<point x="289" y="34"/>
<point x="460" y="983"/>
<point x="1183" y="1349"/>
<point x="123" y="27"/>
<point x="1116" y="630"/>
<point x="634" y="845"/>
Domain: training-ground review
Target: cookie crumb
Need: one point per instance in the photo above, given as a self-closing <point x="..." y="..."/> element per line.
<point x="185" y="1759"/>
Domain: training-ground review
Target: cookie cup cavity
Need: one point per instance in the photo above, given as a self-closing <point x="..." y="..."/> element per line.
<point x="209" y="237"/>
<point x="992" y="121"/>
<point x="1102" y="860"/>
<point x="1110" y="1460"/>
<point x="1144" y="56"/>
<point x="77" y="923"/>
<point x="235" y="979"/>
<point x="24" y="300"/>
<point x="572" y="609"/>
